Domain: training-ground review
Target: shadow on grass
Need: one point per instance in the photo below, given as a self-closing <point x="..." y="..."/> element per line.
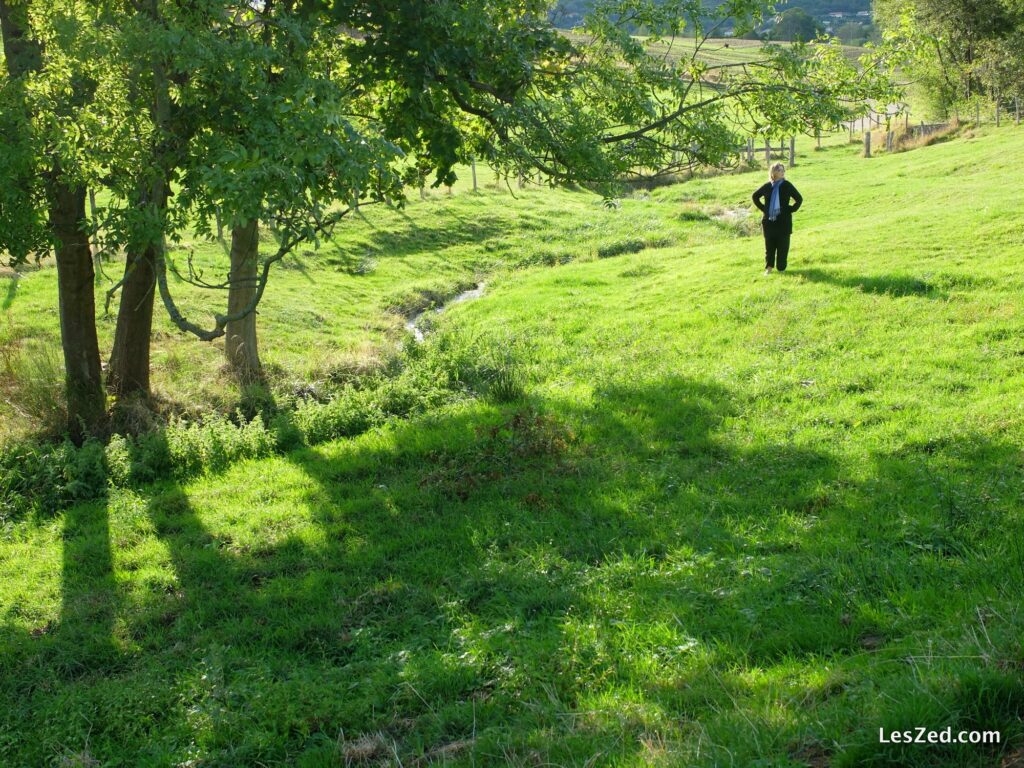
<point x="547" y="582"/>
<point x="89" y="598"/>
<point x="12" y="291"/>
<point x="79" y="644"/>
<point x="885" y="285"/>
<point x="417" y="237"/>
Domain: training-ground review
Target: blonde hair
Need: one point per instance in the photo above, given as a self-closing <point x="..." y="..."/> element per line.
<point x="777" y="168"/>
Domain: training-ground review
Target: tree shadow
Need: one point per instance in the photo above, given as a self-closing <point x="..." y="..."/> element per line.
<point x="495" y="578"/>
<point x="12" y="291"/>
<point x="80" y="641"/>
<point x="518" y="521"/>
<point x="89" y="604"/>
<point x="415" y="236"/>
<point x="78" y="649"/>
<point x="885" y="285"/>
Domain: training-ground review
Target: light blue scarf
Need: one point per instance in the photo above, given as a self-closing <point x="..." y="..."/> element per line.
<point x="775" y="207"/>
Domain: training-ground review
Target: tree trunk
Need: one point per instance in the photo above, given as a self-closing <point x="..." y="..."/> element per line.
<point x="129" y="360"/>
<point x="22" y="53"/>
<point x="240" y="341"/>
<point x="83" y="377"/>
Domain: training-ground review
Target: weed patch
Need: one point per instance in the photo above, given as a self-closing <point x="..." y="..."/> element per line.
<point x="32" y="385"/>
<point x="528" y="437"/>
<point x="619" y="247"/>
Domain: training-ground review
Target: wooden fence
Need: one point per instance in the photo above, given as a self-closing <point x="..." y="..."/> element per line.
<point x="752" y="150"/>
<point x="891" y="121"/>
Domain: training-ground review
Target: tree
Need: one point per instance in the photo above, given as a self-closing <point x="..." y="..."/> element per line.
<point x="594" y="109"/>
<point x="963" y="45"/>
<point x="854" y="33"/>
<point x="796" y="24"/>
<point x="41" y="172"/>
<point x="245" y="118"/>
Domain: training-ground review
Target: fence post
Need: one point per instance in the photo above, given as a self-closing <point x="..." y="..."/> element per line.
<point x="1016" y="109"/>
<point x="888" y="141"/>
<point x="792" y="151"/>
<point x="977" y="113"/>
<point x="423" y="191"/>
<point x="817" y="136"/>
<point x="522" y="181"/>
<point x="867" y="143"/>
<point x="906" y="123"/>
<point x="768" y="151"/>
<point x="997" y="113"/>
<point x="472" y="165"/>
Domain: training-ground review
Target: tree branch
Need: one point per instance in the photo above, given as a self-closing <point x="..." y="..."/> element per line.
<point x="324" y="226"/>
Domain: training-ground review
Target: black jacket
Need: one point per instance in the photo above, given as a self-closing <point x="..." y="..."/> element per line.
<point x="789" y="199"/>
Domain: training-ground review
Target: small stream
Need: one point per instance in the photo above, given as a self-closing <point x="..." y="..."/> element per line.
<point x="413" y="324"/>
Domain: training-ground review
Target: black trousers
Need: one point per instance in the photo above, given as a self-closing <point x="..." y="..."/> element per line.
<point x="776" y="246"/>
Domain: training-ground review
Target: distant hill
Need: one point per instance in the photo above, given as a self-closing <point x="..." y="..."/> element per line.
<point x="569" y="13"/>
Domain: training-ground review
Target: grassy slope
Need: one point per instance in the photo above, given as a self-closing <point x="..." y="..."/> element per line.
<point x="741" y="519"/>
<point x="325" y="310"/>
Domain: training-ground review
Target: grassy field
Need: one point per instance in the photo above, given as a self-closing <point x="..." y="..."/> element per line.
<point x="734" y="520"/>
<point x="718" y="51"/>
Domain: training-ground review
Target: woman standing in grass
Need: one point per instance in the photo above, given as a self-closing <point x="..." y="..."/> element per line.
<point x="777" y="200"/>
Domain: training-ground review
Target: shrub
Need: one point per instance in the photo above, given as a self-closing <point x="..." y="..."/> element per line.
<point x="256" y="400"/>
<point x="286" y="433"/>
<point x="215" y="444"/>
<point x="43" y="479"/>
<point x="353" y="411"/>
<point x="85" y="471"/>
<point x="119" y="460"/>
<point x="546" y="258"/>
<point x="661" y="241"/>
<point x="491" y="369"/>
<point x="150" y="457"/>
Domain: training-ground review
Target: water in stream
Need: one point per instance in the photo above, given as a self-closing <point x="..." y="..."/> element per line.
<point x="413" y="324"/>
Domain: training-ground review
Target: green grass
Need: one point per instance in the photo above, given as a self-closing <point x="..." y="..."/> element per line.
<point x="327" y="313"/>
<point x="733" y="520"/>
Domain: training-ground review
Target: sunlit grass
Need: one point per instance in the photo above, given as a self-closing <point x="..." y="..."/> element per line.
<point x="732" y="520"/>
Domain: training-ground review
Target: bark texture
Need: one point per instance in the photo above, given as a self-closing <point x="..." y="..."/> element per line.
<point x="240" y="344"/>
<point x="129" y="360"/>
<point x="83" y="377"/>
